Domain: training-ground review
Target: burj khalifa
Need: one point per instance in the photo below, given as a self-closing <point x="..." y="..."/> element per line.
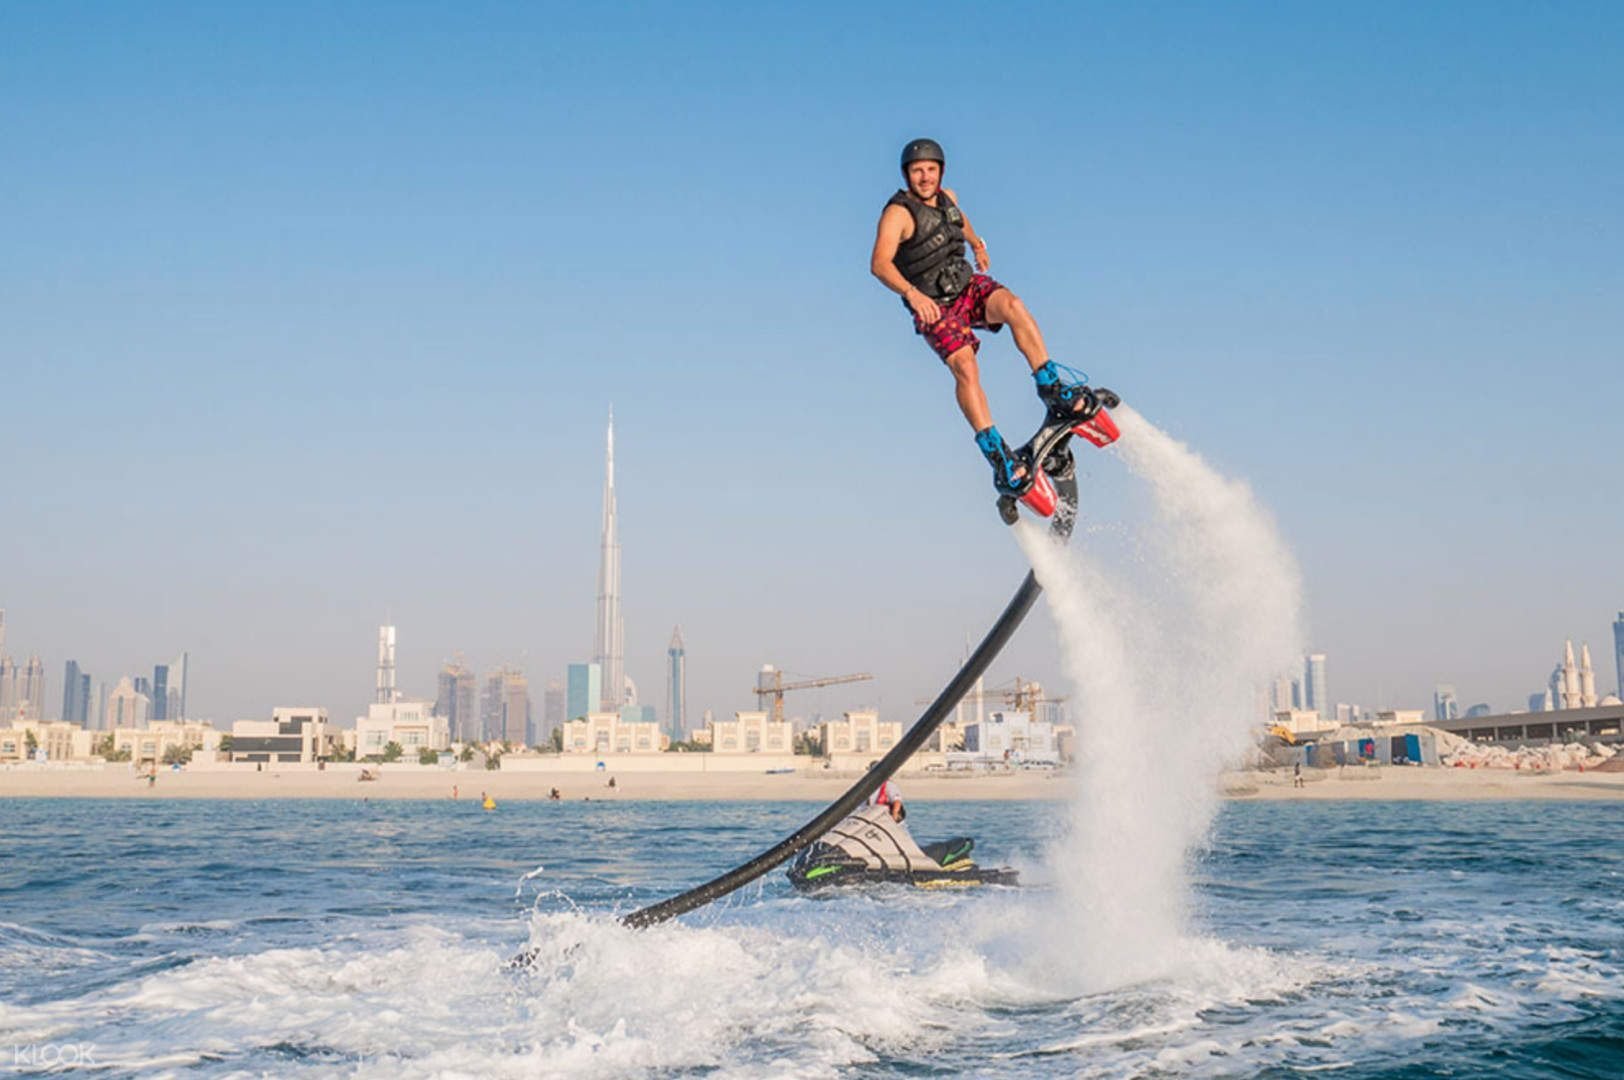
<point x="609" y="650"/>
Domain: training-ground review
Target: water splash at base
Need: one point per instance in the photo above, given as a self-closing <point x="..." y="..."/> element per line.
<point x="1169" y="646"/>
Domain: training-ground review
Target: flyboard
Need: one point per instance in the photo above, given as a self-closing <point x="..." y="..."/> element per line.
<point x="1051" y="492"/>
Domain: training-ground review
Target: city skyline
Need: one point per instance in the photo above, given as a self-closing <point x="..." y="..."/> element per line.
<point x="1569" y="685"/>
<point x="352" y="335"/>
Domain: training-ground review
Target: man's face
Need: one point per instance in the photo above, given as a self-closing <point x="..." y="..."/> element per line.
<point x="924" y="178"/>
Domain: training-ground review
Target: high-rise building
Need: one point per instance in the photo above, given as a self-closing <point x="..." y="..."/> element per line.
<point x="1314" y="694"/>
<point x="1445" y="706"/>
<point x="584" y="691"/>
<point x="126" y="705"/>
<point x="676" y="687"/>
<point x="505" y="707"/>
<point x="609" y="647"/>
<point x="30" y="702"/>
<point x="1587" y="679"/>
<point x="552" y="711"/>
<point x="179" y="669"/>
<point x="1618" y="651"/>
<point x="490" y="706"/>
<point x="1280" y="695"/>
<point x="457" y="701"/>
<point x="160" y="691"/>
<point x="8" y="677"/>
<point x="386" y="694"/>
<point x="75" y="694"/>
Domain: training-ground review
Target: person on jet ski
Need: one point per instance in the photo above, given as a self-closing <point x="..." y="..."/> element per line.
<point x="890" y="797"/>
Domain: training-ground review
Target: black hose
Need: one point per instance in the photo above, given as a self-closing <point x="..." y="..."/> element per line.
<point x="854" y="797"/>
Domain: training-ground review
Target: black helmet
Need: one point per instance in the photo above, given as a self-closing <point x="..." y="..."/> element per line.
<point x="923" y="150"/>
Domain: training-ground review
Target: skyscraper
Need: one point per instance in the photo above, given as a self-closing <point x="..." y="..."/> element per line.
<point x="610" y="640"/>
<point x="552" y="711"/>
<point x="31" y="705"/>
<point x="457" y="701"/>
<point x="178" y="672"/>
<point x="160" y="691"/>
<point x="126" y="706"/>
<point x="584" y="693"/>
<point x="1618" y="651"/>
<point x="1445" y="706"/>
<point x="75" y="694"/>
<point x="505" y="710"/>
<point x="386" y="667"/>
<point x="1314" y="692"/>
<point x="676" y="687"/>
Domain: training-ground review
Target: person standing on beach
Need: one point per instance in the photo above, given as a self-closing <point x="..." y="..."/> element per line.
<point x="919" y="255"/>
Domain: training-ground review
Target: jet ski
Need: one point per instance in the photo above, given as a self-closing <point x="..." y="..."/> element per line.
<point x="868" y="847"/>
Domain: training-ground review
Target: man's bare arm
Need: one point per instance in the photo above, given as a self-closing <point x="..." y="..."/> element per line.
<point x="890" y="234"/>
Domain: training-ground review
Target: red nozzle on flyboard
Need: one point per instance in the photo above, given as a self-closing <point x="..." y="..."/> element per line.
<point x="1098" y="429"/>
<point x="1040" y="498"/>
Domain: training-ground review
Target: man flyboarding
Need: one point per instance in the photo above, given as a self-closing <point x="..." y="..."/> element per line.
<point x="919" y="254"/>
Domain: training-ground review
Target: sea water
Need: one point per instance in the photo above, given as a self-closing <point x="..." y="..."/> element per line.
<point x="293" y="938"/>
<point x="1159" y="932"/>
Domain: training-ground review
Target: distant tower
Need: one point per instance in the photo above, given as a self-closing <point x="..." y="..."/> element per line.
<point x="1618" y="650"/>
<point x="1314" y="695"/>
<point x="676" y="687"/>
<point x="1445" y="706"/>
<point x="75" y="694"/>
<point x="177" y="686"/>
<point x="8" y="675"/>
<point x="505" y="711"/>
<point x="608" y="652"/>
<point x="552" y="710"/>
<point x="584" y="693"/>
<point x="457" y="700"/>
<point x="1569" y="671"/>
<point x="386" y="666"/>
<point x="1587" y="680"/>
<point x="33" y="696"/>
<point x="160" y="692"/>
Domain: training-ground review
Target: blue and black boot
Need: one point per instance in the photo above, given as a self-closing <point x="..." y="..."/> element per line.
<point x="1066" y="398"/>
<point x="1009" y="472"/>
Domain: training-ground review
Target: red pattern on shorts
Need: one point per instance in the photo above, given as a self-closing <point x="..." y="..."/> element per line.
<point x="961" y="317"/>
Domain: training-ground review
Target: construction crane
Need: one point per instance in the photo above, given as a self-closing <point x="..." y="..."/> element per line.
<point x="779" y="687"/>
<point x="1027" y="694"/>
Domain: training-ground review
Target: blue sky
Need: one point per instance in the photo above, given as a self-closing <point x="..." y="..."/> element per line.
<point x="313" y="316"/>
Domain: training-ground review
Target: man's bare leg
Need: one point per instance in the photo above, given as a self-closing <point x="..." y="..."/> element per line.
<point x="1005" y="307"/>
<point x="967" y="388"/>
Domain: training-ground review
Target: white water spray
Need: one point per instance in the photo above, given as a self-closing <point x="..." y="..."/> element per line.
<point x="1168" y="653"/>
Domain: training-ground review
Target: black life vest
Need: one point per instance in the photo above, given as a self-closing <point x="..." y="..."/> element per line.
<point x="932" y="259"/>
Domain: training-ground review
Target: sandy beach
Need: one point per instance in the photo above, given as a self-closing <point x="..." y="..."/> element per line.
<point x="1436" y="784"/>
<point x="343" y="782"/>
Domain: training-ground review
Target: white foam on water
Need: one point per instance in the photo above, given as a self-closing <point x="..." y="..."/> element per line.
<point x="1168" y="646"/>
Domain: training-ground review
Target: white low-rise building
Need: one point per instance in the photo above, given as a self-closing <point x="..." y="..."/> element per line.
<point x="1389" y="717"/>
<point x="1301" y="721"/>
<point x="751" y="733"/>
<point x="610" y="733"/>
<point x="1012" y="738"/>
<point x="860" y="731"/>
<point x="411" y="725"/>
<point x="152" y="743"/>
<point x="52" y="740"/>
<point x="292" y="734"/>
